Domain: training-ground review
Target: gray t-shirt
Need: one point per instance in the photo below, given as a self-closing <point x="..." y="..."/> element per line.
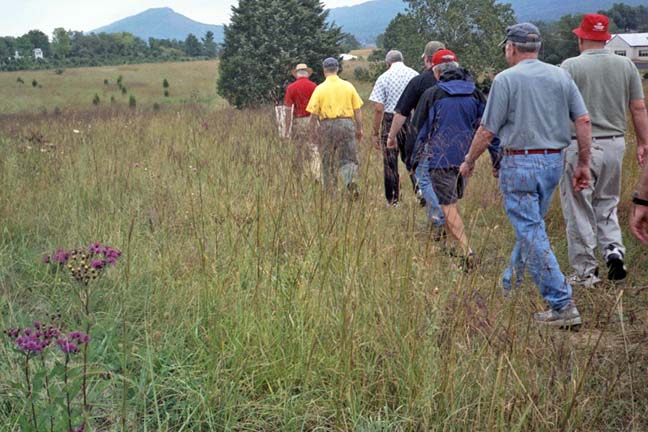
<point x="608" y="83"/>
<point x="530" y="106"/>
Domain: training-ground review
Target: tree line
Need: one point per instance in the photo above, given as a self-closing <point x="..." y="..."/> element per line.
<point x="75" y="48"/>
<point x="471" y="28"/>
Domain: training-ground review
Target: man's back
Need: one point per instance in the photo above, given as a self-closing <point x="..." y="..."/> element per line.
<point x="608" y="83"/>
<point x="298" y="94"/>
<point x="530" y="106"/>
<point x="390" y="85"/>
<point x="334" y="98"/>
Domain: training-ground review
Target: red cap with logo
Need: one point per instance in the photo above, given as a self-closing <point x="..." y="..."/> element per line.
<point x="443" y="56"/>
<point x="593" y="27"/>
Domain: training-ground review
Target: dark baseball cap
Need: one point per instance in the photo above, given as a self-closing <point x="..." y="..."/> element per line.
<point x="329" y="63"/>
<point x="522" y="33"/>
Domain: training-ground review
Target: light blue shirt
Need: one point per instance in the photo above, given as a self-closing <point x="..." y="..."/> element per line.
<point x="532" y="105"/>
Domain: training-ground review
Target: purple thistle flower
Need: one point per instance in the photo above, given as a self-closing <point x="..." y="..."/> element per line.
<point x="95" y="247"/>
<point x="67" y="346"/>
<point x="46" y="259"/>
<point x="37" y="325"/>
<point x="79" y="337"/>
<point x="60" y="256"/>
<point x="98" y="264"/>
<point x="27" y="332"/>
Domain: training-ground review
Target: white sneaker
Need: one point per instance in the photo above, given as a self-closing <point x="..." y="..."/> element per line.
<point x="587" y="281"/>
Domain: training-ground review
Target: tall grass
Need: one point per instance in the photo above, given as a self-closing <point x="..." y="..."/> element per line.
<point x="253" y="301"/>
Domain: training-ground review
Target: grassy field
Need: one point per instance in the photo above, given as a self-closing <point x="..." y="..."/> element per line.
<point x="247" y="300"/>
<point x="189" y="82"/>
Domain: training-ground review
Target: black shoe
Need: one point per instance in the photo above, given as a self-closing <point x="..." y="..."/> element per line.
<point x="616" y="267"/>
<point x="353" y="191"/>
<point x="469" y="262"/>
<point x="439" y="234"/>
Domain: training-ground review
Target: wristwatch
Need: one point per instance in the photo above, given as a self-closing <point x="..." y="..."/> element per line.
<point x="639" y="201"/>
<point x="469" y="161"/>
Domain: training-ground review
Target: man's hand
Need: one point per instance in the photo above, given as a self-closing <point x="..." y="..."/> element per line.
<point x="642" y="154"/>
<point x="639" y="223"/>
<point x="466" y="169"/>
<point x="495" y="172"/>
<point x="359" y="134"/>
<point x="376" y="141"/>
<point x="391" y="142"/>
<point x="581" y="178"/>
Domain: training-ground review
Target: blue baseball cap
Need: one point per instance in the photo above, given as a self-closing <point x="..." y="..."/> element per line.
<point x="330" y="63"/>
<point x="522" y="33"/>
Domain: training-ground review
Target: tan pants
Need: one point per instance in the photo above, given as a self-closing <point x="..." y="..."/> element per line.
<point x="300" y="135"/>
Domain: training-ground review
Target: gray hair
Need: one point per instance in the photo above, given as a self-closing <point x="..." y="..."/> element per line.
<point x="527" y="47"/>
<point x="302" y="73"/>
<point x="393" y="56"/>
<point x="445" y="67"/>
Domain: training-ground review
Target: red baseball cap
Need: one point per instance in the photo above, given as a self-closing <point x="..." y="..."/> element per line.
<point x="593" y="27"/>
<point x="443" y="56"/>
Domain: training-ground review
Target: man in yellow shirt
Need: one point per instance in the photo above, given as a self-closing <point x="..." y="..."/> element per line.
<point x="333" y="106"/>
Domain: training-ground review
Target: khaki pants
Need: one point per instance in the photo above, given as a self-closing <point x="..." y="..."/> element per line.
<point x="338" y="148"/>
<point x="307" y="149"/>
<point x="591" y="215"/>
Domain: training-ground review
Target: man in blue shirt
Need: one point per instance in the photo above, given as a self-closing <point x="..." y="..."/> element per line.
<point x="530" y="107"/>
<point x="447" y="116"/>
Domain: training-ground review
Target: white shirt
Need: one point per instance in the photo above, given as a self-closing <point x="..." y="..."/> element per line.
<point x="390" y="85"/>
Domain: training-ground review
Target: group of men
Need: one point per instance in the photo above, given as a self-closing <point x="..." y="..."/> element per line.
<point x="545" y="126"/>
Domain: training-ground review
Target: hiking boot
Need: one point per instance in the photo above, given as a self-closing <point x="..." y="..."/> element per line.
<point x="469" y="262"/>
<point x="353" y="191"/>
<point x="438" y="233"/>
<point x="566" y="317"/>
<point x="587" y="281"/>
<point x="616" y="267"/>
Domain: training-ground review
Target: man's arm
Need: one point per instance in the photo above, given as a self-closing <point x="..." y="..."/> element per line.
<point x="379" y="110"/>
<point x="581" y="179"/>
<point x="358" y="120"/>
<point x="639" y="216"/>
<point x="640" y="122"/>
<point x="480" y="143"/>
<point x="397" y="124"/>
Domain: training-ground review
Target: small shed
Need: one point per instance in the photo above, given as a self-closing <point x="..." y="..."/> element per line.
<point x="38" y="54"/>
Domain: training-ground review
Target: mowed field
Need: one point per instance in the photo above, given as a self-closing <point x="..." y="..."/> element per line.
<point x="248" y="300"/>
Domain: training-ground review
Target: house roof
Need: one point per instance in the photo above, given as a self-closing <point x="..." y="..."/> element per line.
<point x="633" y="39"/>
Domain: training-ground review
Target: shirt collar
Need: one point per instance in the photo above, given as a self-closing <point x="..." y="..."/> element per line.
<point x="596" y="51"/>
<point x="332" y="78"/>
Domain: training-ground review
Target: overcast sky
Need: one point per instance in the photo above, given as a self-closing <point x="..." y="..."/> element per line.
<point x="20" y="16"/>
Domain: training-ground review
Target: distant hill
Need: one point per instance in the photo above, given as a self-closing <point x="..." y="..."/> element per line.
<point x="365" y="21"/>
<point x="161" y="23"/>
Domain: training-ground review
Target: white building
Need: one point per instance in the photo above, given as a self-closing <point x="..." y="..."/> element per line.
<point x="347" y="57"/>
<point x="38" y="53"/>
<point x="632" y="45"/>
<point x="17" y="55"/>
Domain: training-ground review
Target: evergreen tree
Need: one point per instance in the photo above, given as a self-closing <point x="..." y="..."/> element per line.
<point x="264" y="41"/>
<point x="192" y="46"/>
<point x="402" y="34"/>
<point x="209" y="46"/>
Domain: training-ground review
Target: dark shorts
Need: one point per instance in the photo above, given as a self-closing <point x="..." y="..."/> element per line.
<point x="448" y="184"/>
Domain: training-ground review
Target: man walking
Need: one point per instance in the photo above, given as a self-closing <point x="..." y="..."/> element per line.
<point x="335" y="104"/>
<point x="447" y="117"/>
<point x="610" y="85"/>
<point x="406" y="104"/>
<point x="297" y="96"/>
<point x="529" y="107"/>
<point x="385" y="94"/>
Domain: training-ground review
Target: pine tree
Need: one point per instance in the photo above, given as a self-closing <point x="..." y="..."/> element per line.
<point x="265" y="40"/>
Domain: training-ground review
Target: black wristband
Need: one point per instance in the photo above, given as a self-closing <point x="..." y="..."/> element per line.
<point x="639" y="201"/>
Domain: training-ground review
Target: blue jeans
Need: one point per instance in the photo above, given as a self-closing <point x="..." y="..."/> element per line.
<point x="434" y="211"/>
<point x="527" y="183"/>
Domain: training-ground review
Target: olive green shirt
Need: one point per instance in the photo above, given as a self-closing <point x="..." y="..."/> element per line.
<point x="608" y="82"/>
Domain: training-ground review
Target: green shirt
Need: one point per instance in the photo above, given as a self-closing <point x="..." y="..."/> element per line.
<point x="608" y="83"/>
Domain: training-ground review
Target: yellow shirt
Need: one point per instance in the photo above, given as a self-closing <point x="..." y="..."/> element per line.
<point x="334" y="98"/>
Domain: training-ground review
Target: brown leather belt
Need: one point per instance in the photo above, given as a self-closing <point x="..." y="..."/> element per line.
<point x="531" y="152"/>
